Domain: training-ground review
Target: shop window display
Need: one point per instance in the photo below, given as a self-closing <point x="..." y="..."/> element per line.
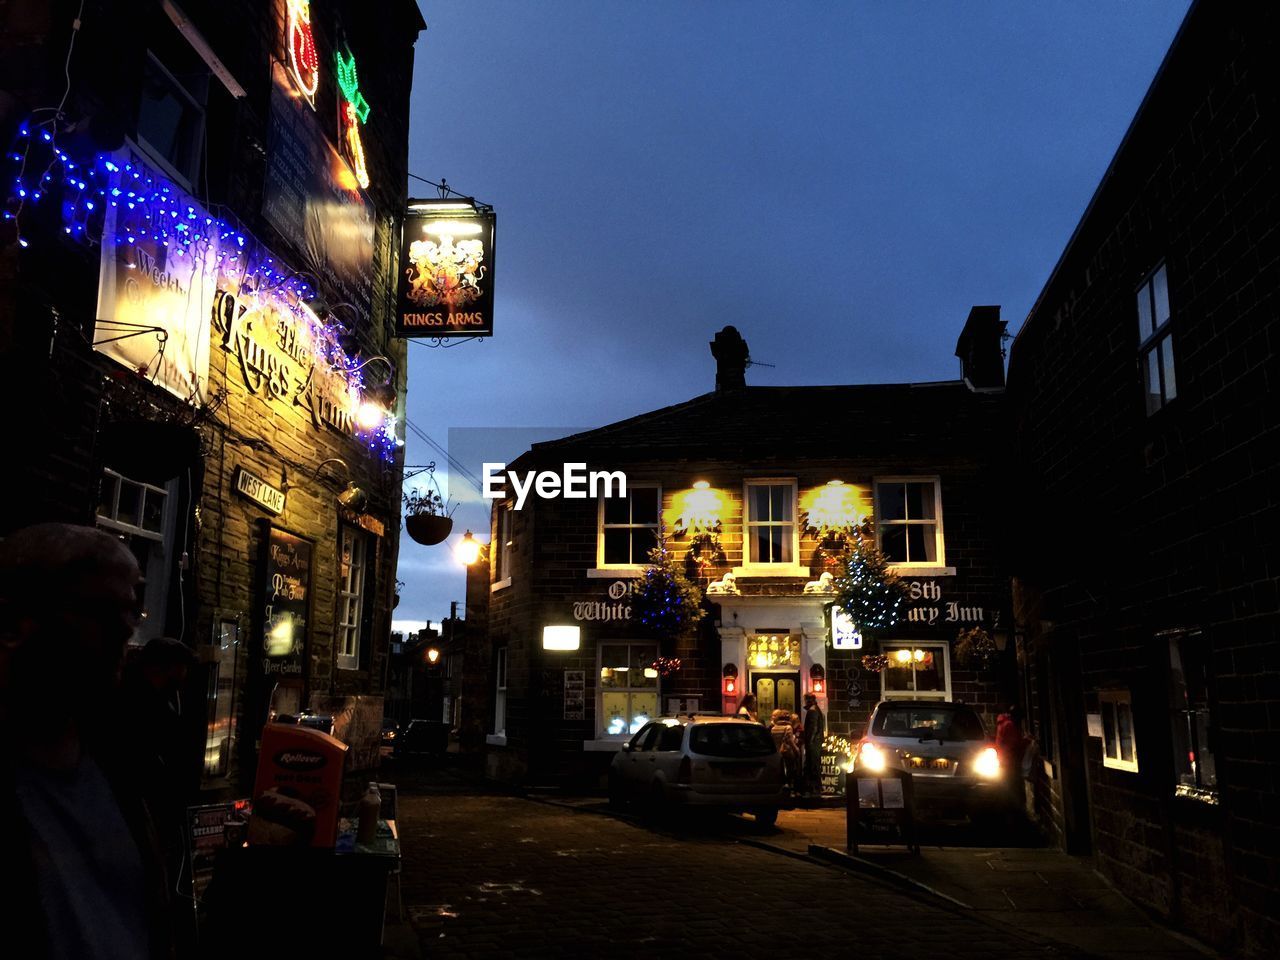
<point x="628" y="688"/>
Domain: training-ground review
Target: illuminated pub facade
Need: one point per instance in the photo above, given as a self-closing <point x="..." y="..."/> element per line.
<point x="199" y="257"/>
<point x="757" y="464"/>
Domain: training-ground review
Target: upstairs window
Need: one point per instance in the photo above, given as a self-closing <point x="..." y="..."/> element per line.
<point x="629" y="526"/>
<point x="503" y="542"/>
<point x="771" y="521"/>
<point x="171" y="117"/>
<point x="1155" y="342"/>
<point x="909" y="520"/>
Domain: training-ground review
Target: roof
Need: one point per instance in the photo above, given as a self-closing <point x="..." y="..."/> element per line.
<point x="799" y="423"/>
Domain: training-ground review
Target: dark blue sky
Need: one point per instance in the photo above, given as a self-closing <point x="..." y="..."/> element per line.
<point x="839" y="180"/>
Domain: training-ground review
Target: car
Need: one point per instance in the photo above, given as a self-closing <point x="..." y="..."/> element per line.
<point x="422" y="736"/>
<point x="710" y="762"/>
<point x="945" y="747"/>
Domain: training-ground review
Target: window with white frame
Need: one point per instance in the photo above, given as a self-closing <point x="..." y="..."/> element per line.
<point x="1119" y="745"/>
<point x="353" y="561"/>
<point x="628" y="688"/>
<point x="916" y="671"/>
<point x="770" y="522"/>
<point x="500" y="693"/>
<point x="629" y="526"/>
<point x="142" y="515"/>
<point x="171" y="113"/>
<point x="503" y="542"/>
<point x="1155" y="342"/>
<point x="909" y="520"/>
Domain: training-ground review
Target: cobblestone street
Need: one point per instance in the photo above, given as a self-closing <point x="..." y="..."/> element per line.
<point x="497" y="876"/>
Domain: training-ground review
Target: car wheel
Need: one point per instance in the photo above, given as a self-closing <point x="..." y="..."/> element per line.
<point x="766" y="816"/>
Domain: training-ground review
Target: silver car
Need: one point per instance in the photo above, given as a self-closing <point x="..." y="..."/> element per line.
<point x="945" y="748"/>
<point x="700" y="761"/>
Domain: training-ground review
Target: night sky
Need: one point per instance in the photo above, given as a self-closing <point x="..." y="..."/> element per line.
<point x="839" y="180"/>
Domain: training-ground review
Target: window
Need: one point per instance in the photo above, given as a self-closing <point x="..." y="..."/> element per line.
<point x="503" y="543"/>
<point x="141" y="515"/>
<point x="628" y="687"/>
<point x="171" y="117"/>
<point x="671" y="738"/>
<point x="770" y="533"/>
<point x="916" y="671"/>
<point x="629" y="526"/>
<point x="909" y="520"/>
<point x="500" y="694"/>
<point x="352" y="569"/>
<point x="1195" y="770"/>
<point x="1119" y="747"/>
<point x="1155" y="342"/>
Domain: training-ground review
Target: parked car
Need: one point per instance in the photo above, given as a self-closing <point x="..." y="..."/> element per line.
<point x="700" y="761"/>
<point x="943" y="745"/>
<point x="390" y="730"/>
<point x="422" y="736"/>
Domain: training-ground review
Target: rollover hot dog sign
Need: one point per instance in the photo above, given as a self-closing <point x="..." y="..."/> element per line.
<point x="446" y="270"/>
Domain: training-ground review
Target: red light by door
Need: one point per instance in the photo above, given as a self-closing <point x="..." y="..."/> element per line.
<point x="819" y="687"/>
<point x="730" y="686"/>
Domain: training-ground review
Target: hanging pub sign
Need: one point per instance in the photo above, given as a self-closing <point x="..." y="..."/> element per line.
<point x="446" y="270"/>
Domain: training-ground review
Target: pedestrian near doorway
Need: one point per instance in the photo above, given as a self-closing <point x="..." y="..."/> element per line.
<point x="86" y="876"/>
<point x="788" y="744"/>
<point x="815" y="731"/>
<point x="749" y="707"/>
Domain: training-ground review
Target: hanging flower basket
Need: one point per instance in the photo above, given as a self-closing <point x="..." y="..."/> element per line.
<point x="428" y="529"/>
<point x="975" y="648"/>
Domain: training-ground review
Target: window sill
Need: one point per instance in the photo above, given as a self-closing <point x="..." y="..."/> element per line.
<point x="773" y="570"/>
<point x="616" y="573"/>
<point x="349" y="664"/>
<point x="916" y="570"/>
<point x="1119" y="765"/>
<point x="602" y="746"/>
<point x="500" y="585"/>
<point x="496" y="739"/>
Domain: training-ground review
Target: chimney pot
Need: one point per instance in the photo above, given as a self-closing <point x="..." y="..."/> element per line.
<point x="980" y="349"/>
<point x="732" y="356"/>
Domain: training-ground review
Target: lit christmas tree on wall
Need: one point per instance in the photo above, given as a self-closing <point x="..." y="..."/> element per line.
<point x="667" y="603"/>
<point x="866" y="589"/>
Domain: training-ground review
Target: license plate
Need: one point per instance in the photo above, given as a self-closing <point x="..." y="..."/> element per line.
<point x="740" y="771"/>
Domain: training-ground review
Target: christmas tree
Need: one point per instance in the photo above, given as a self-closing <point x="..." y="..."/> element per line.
<point x="666" y="602"/>
<point x="866" y="589"/>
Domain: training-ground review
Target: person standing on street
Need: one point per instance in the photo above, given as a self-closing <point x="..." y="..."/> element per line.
<point x="748" y="708"/>
<point x="82" y="858"/>
<point x="815" y="731"/>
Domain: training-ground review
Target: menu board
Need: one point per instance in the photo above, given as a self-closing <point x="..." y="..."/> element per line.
<point x="574" y="685"/>
<point x="286" y="599"/>
<point x="832" y="775"/>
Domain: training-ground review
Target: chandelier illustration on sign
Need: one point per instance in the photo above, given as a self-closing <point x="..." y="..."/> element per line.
<point x="446" y="272"/>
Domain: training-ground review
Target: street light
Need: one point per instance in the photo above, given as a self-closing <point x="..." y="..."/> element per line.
<point x="468" y="550"/>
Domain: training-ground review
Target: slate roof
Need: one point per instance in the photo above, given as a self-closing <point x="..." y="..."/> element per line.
<point x="880" y="421"/>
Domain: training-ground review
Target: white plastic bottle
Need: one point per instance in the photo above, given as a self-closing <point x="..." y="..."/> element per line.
<point x="370" y="809"/>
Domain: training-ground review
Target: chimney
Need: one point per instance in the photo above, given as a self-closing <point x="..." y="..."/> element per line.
<point x="731" y="354"/>
<point x="980" y="349"/>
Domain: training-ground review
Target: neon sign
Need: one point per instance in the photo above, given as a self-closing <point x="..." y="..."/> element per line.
<point x="355" y="111"/>
<point x="304" y="62"/>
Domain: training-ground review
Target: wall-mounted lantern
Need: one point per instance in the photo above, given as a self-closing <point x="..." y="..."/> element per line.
<point x="561" y="638"/>
<point x="818" y="680"/>
<point x="730" y="679"/>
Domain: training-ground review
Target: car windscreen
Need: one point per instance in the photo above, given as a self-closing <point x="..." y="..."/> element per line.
<point x="928" y="723"/>
<point x="731" y="740"/>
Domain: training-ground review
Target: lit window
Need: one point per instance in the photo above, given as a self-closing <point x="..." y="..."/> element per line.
<point x="140" y="514"/>
<point x="500" y="694"/>
<point x="628" y="688"/>
<point x="353" y="562"/>
<point x="1155" y="342"/>
<point x="909" y="520"/>
<point x="503" y="543"/>
<point x="629" y="526"/>
<point x="1119" y="746"/>
<point x="770" y="521"/>
<point x="916" y="671"/>
<point x="1195" y="769"/>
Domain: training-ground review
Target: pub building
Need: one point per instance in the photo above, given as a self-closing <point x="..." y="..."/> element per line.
<point x="739" y="479"/>
<point x="199" y="250"/>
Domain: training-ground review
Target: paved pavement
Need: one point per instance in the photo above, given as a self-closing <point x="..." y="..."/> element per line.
<point x="487" y="874"/>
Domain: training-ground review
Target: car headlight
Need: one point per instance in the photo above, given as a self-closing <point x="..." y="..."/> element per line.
<point x="872" y="758"/>
<point x="987" y="763"/>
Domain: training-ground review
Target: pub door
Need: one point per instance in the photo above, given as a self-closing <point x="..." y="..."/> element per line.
<point x="775" y="691"/>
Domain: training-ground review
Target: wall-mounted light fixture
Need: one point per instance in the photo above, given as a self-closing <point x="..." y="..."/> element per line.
<point x="468" y="550"/>
<point x="818" y="680"/>
<point x="433" y="656"/>
<point x="561" y="638"/>
<point x="352" y="497"/>
<point x="700" y="509"/>
<point x="730" y="674"/>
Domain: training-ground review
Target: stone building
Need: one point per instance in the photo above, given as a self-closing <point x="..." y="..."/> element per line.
<point x="199" y="273"/>
<point x="741" y="478"/>
<point x="1143" y="388"/>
